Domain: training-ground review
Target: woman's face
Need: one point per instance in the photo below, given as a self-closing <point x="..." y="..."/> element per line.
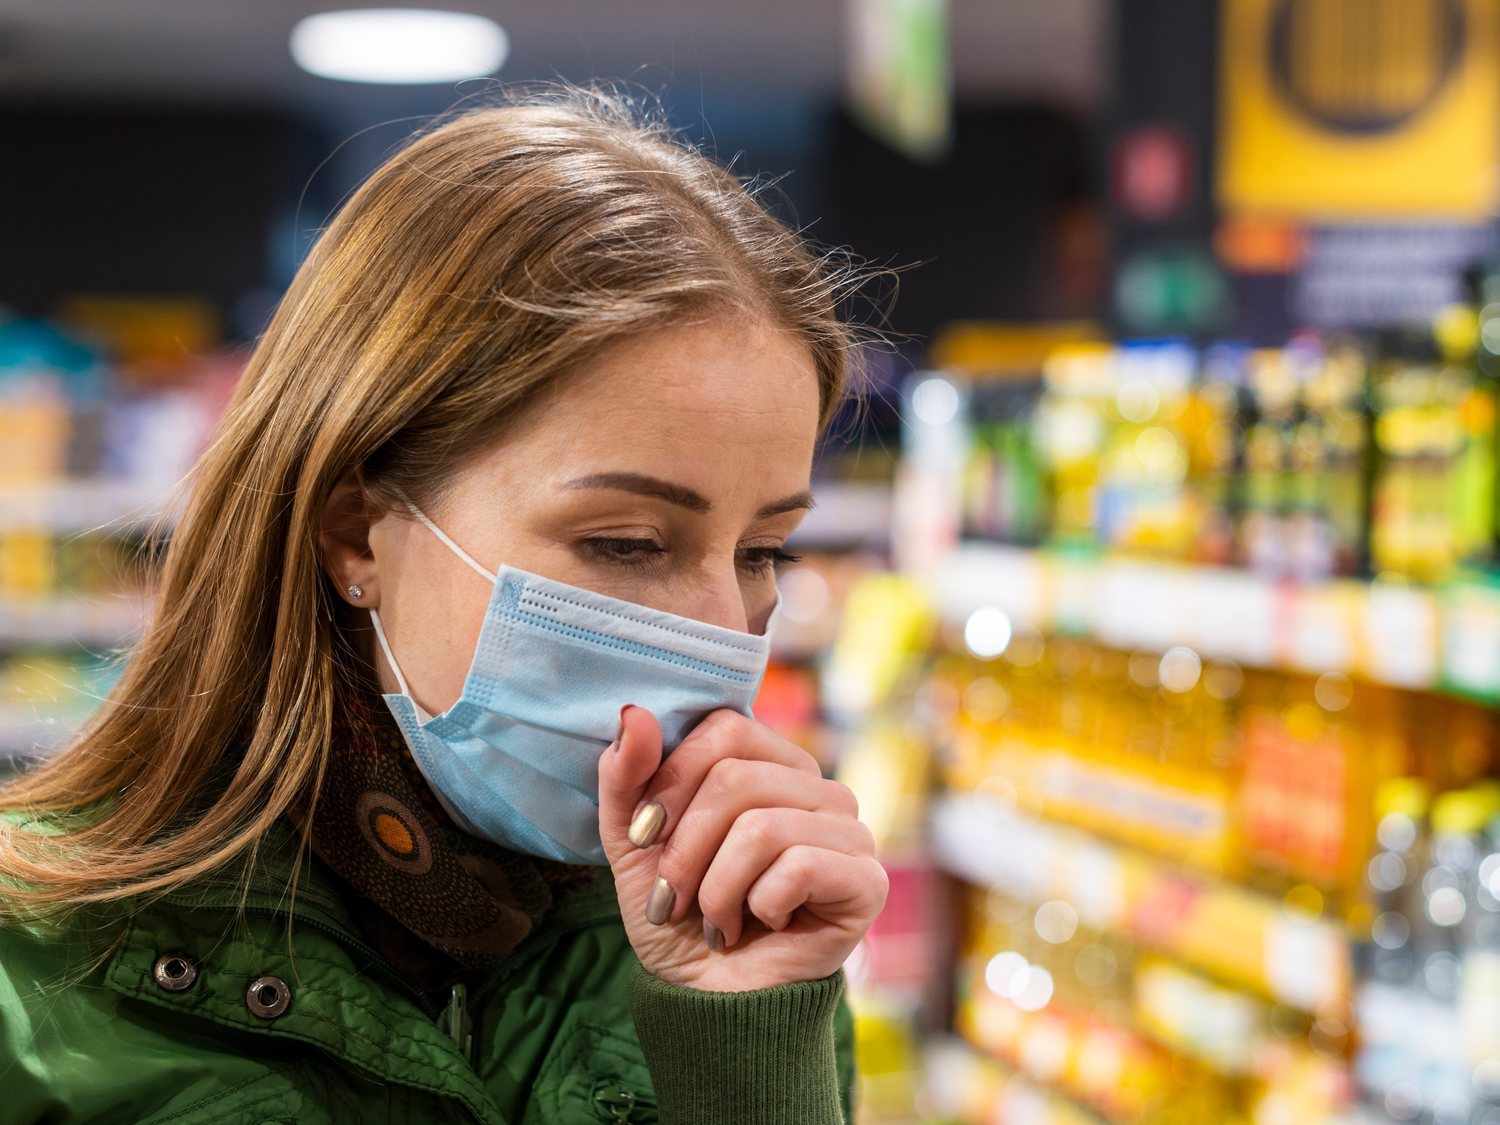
<point x="668" y="472"/>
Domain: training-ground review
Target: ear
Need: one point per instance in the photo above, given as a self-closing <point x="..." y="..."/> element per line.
<point x="344" y="542"/>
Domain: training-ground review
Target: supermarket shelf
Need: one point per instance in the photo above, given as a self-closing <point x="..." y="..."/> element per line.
<point x="61" y="507"/>
<point x="66" y="622"/>
<point x="968" y="1084"/>
<point x="1246" y="939"/>
<point x="1396" y="634"/>
<point x="1037" y="1045"/>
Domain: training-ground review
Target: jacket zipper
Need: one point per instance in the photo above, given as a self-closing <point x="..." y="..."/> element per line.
<point x="619" y="1102"/>
<point x="455" y="1021"/>
<point x="485" y="988"/>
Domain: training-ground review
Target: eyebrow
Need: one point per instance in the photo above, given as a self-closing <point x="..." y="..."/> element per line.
<point x="680" y="494"/>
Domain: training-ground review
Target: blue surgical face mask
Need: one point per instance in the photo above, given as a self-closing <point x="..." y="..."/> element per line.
<point x="516" y="759"/>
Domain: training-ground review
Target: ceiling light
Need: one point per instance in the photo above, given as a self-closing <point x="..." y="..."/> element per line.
<point x="398" y="45"/>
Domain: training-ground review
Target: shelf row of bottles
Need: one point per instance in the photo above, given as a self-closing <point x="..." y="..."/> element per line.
<point x="1232" y="893"/>
<point x="1217" y="891"/>
<point x="1151" y="998"/>
<point x="1234" y="771"/>
<point x="82" y="428"/>
<point x="1332" y="456"/>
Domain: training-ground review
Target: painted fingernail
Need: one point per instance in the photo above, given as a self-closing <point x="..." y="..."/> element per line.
<point x="647" y="824"/>
<point x="713" y="936"/>
<point x="659" y="905"/>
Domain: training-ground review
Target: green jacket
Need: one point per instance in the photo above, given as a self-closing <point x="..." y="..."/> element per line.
<point x="179" y="1022"/>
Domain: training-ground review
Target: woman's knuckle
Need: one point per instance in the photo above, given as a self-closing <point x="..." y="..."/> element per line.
<point x="804" y="760"/>
<point x="800" y="864"/>
<point x="758" y="829"/>
<point x="841" y="798"/>
<point x="715" y="729"/>
<point x="728" y="775"/>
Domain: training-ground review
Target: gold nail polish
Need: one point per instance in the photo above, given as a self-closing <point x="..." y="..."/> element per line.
<point x="647" y="824"/>
<point x="713" y="936"/>
<point x="659" y="905"/>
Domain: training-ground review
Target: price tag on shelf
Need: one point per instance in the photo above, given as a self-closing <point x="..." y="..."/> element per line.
<point x="1007" y="578"/>
<point x="1095" y="884"/>
<point x="1159" y="622"/>
<point x="1321" y="627"/>
<point x="1387" y="631"/>
<point x="846" y="513"/>
<point x="1471" y="639"/>
<point x="1400" y="636"/>
<point x="977" y="839"/>
<point x="1020" y="583"/>
<point x="1140" y="605"/>
<point x="1236" y="616"/>
<point x="1112" y="604"/>
<point x="83" y="505"/>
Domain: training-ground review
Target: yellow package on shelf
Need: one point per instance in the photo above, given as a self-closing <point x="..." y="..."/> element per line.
<point x="889" y="771"/>
<point x="887" y="619"/>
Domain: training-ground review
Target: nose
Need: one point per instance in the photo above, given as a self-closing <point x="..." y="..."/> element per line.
<point x="721" y="601"/>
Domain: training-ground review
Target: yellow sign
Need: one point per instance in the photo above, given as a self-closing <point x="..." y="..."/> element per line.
<point x="1337" y="109"/>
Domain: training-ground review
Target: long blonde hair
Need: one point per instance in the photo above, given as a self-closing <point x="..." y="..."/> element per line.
<point x="500" y="248"/>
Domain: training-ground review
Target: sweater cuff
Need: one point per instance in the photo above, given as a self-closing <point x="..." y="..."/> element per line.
<point x="734" y="1058"/>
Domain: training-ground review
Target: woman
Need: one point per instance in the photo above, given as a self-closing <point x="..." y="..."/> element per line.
<point x="380" y="822"/>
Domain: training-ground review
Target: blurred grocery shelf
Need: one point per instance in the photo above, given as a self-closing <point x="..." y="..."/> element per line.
<point x="91" y="622"/>
<point x="1247" y="939"/>
<point x="1390" y="632"/>
<point x="61" y="507"/>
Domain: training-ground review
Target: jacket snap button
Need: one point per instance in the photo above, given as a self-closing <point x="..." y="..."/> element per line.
<point x="268" y="997"/>
<point x="175" y="971"/>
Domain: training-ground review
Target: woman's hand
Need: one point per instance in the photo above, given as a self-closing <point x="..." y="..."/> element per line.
<point x="758" y="871"/>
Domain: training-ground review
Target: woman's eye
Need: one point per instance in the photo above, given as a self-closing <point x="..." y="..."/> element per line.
<point x="760" y="559"/>
<point x="625" y="552"/>
<point x="644" y="552"/>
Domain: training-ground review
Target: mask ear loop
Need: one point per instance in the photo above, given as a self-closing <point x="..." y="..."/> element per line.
<point x="441" y="534"/>
<point x="385" y="646"/>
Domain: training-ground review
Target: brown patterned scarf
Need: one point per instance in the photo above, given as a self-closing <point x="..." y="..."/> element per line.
<point x="436" y="902"/>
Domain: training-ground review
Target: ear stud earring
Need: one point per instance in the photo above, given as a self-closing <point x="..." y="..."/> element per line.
<point x="355" y="592"/>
